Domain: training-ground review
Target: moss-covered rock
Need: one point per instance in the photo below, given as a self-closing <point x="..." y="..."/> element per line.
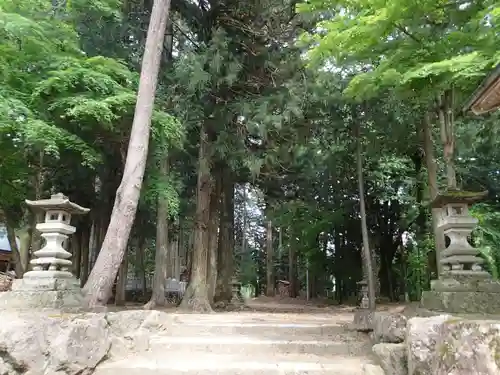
<point x="468" y="347"/>
<point x="389" y="327"/>
<point x="422" y="336"/>
<point x="392" y="358"/>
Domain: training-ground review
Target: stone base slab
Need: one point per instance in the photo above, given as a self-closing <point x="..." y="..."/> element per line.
<point x="67" y="300"/>
<point x="467" y="302"/>
<point x="465" y="284"/>
<point x="45" y="284"/>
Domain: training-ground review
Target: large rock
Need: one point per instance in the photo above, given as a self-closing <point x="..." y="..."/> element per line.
<point x="468" y="347"/>
<point x="39" y="344"/>
<point x="392" y="358"/>
<point x="421" y="337"/>
<point x="387" y="327"/>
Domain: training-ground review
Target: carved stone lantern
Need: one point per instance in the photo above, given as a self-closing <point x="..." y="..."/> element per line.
<point x="365" y="300"/>
<point x="236" y="291"/>
<point x="53" y="261"/>
<point x="463" y="285"/>
<point x="50" y="283"/>
<point x="459" y="259"/>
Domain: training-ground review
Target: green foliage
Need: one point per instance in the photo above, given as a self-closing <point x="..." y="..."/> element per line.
<point x="55" y="99"/>
<point x="390" y="49"/>
<point x="417" y="273"/>
<point x="487" y="236"/>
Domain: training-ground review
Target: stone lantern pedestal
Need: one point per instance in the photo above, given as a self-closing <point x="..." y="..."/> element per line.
<point x="50" y="284"/>
<point x="236" y="291"/>
<point x="363" y="316"/>
<point x="363" y="289"/>
<point x="463" y="285"/>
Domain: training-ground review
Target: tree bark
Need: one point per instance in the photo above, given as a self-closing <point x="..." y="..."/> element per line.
<point x="100" y="283"/>
<point x="244" y="229"/>
<point x="269" y="260"/>
<point x="433" y="187"/>
<point x="162" y="245"/>
<point x="76" y="252"/>
<point x="38" y="216"/>
<point x="226" y="239"/>
<point x="196" y="296"/>
<point x="292" y="264"/>
<point x="141" y="267"/>
<point x="121" y="283"/>
<point x="25" y="238"/>
<point x="213" y="239"/>
<point x="85" y="245"/>
<point x="447" y="127"/>
<point x="364" y="228"/>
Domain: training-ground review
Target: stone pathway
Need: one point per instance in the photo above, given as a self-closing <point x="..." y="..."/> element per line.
<point x="251" y="343"/>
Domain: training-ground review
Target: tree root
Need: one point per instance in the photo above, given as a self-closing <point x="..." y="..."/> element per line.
<point x="196" y="304"/>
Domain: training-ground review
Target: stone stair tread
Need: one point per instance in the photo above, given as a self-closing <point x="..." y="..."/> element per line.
<point x="245" y="344"/>
<point x="271" y="334"/>
<point x="269" y="330"/>
<point x="173" y="362"/>
<point x="248" y="340"/>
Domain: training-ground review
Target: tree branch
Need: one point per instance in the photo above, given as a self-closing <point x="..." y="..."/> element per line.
<point x="404" y="31"/>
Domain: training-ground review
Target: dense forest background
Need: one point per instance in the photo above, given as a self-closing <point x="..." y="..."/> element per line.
<point x="278" y="128"/>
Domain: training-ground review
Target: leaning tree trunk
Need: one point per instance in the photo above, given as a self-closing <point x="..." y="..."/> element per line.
<point x="100" y="283"/>
<point x="364" y="228"/>
<point x="196" y="296"/>
<point x="160" y="272"/>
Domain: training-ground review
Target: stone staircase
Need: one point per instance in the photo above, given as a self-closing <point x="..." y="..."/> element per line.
<point x="250" y="344"/>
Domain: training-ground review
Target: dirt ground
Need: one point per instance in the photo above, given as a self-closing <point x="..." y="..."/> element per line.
<point x="287" y="305"/>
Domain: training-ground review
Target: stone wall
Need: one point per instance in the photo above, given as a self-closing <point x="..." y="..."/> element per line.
<point x="40" y="343"/>
<point x="431" y="345"/>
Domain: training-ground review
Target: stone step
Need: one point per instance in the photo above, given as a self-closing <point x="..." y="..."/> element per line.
<point x="262" y="329"/>
<point x="175" y="363"/>
<point x="239" y="344"/>
<point x="256" y="318"/>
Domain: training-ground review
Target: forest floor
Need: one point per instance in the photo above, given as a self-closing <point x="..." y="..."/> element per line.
<point x="269" y="336"/>
<point x="286" y="304"/>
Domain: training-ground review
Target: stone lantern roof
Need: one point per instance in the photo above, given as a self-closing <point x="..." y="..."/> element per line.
<point x="58" y="202"/>
<point x="458" y="197"/>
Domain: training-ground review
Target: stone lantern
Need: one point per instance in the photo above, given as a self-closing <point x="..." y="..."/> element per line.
<point x="50" y="283"/>
<point x="459" y="259"/>
<point x="236" y="291"/>
<point x="53" y="261"/>
<point x="363" y="288"/>
<point x="463" y="285"/>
